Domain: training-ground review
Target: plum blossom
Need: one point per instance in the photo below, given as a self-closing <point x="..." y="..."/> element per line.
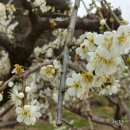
<point x="75" y="85"/>
<point x="110" y="88"/>
<point x="42" y="5"/>
<point x="122" y="38"/>
<point x="82" y="51"/>
<point x="15" y="96"/>
<point x="103" y="63"/>
<point x="87" y="79"/>
<point x="28" y="114"/>
<point x="47" y="72"/>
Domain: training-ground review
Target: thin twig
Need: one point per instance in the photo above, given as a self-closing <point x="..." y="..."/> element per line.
<point x="65" y="61"/>
<point x="100" y="14"/>
<point x="70" y="125"/>
<point x="114" y="15"/>
<point x="112" y="100"/>
<point x="126" y="109"/>
<point x="85" y="6"/>
<point x="6" y="110"/>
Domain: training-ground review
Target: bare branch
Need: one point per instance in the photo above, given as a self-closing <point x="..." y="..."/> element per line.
<point x="86" y="23"/>
<point x="112" y="100"/>
<point x="126" y="109"/>
<point x="68" y="124"/>
<point x="93" y="117"/>
<point x="114" y="15"/>
<point x="8" y="124"/>
<point x="5" y="42"/>
<point x="65" y="62"/>
<point x="7" y="109"/>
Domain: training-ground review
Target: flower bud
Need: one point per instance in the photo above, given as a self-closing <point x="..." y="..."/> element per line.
<point x="11" y="84"/>
<point x="21" y="95"/>
<point x="102" y="22"/>
<point x="27" y="89"/>
<point x="101" y="28"/>
<point x="111" y="20"/>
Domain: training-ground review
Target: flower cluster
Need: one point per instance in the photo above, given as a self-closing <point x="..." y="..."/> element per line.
<point x="28" y="109"/>
<point x="41" y="4"/>
<point x="61" y="35"/>
<point x="6" y="17"/>
<point x="103" y="53"/>
<point x="23" y="96"/>
<point x="5" y="65"/>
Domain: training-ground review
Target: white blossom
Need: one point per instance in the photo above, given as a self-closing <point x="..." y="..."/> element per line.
<point x="6" y="17"/>
<point x="42" y="5"/>
<point x="15" y="96"/>
<point x="47" y="72"/>
<point x="102" y="22"/>
<point x="103" y="63"/>
<point x="28" y="114"/>
<point x="82" y="51"/>
<point x="75" y="85"/>
<point x="111" y="88"/>
<point x="122" y="38"/>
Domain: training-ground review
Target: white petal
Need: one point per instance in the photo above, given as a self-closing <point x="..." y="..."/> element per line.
<point x="71" y="91"/>
<point x="79" y="93"/>
<point x="33" y="120"/>
<point x="69" y="81"/>
<point x="20" y="118"/>
<point x="19" y="110"/>
<point x="78" y="51"/>
<point x="27" y="121"/>
<point x="90" y="67"/>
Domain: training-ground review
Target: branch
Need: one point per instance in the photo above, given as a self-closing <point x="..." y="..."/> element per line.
<point x="98" y="119"/>
<point x="7" y="109"/>
<point x="8" y="124"/>
<point x="65" y="62"/>
<point x="26" y="45"/>
<point x="76" y="66"/>
<point x="101" y="120"/>
<point x="32" y="15"/>
<point x="93" y="117"/>
<point x="68" y="124"/>
<point x="26" y="73"/>
<point x="126" y="109"/>
<point x="5" y="42"/>
<point x="112" y="100"/>
<point x="100" y="14"/>
<point x="114" y="15"/>
<point x="86" y="23"/>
